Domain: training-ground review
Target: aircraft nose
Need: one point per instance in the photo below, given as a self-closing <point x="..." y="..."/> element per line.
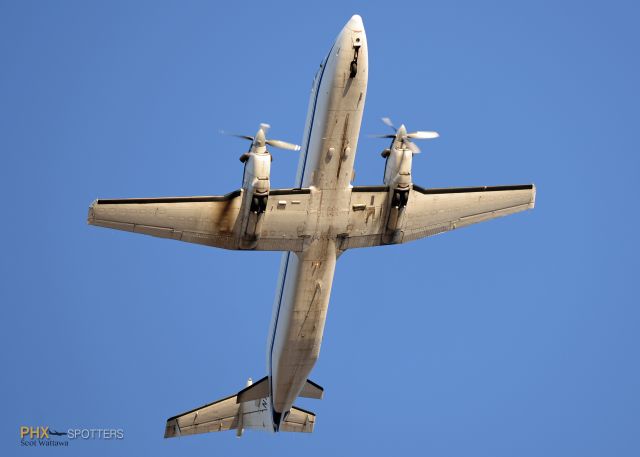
<point x="355" y="23"/>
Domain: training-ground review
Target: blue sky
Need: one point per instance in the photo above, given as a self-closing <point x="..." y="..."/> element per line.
<point x="514" y="337"/>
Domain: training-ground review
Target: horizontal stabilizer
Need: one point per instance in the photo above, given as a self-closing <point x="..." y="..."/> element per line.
<point x="312" y="390"/>
<point x="298" y="420"/>
<point x="256" y="391"/>
<point x="214" y="417"/>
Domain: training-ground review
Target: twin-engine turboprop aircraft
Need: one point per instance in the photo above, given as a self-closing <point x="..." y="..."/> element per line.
<point x="312" y="223"/>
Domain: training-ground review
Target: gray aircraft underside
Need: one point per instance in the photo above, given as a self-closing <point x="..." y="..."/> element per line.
<point x="312" y="224"/>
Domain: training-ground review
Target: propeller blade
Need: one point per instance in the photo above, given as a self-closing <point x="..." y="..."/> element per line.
<point x="388" y="122"/>
<point x="413" y="147"/>
<point x="423" y="135"/>
<point x="260" y="138"/>
<point x="283" y="145"/>
<point x="246" y="137"/>
<point x="382" y="136"/>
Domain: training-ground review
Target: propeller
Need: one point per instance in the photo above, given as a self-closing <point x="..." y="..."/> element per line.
<point x="401" y="135"/>
<point x="261" y="140"/>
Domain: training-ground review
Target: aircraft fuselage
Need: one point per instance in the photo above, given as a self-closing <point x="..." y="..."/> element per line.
<point x="326" y="168"/>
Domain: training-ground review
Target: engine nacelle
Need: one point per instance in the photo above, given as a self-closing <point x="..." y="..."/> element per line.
<point x="397" y="170"/>
<point x="257" y="169"/>
<point x="255" y="189"/>
<point x="397" y="176"/>
<point x="255" y="184"/>
<point x="255" y="180"/>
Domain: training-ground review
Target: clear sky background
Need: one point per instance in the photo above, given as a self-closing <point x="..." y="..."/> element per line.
<point x="517" y="337"/>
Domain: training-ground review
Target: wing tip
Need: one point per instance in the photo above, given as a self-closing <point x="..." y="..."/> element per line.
<point x="533" y="197"/>
<point x="91" y="215"/>
<point x="172" y="429"/>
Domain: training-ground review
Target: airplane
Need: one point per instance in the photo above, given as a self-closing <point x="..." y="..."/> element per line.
<point x="312" y="224"/>
<point x="56" y="433"/>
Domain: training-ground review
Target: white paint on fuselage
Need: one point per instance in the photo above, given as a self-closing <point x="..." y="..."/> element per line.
<point x="326" y="167"/>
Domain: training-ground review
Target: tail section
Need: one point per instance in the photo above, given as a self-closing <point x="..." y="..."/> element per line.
<point x="248" y="409"/>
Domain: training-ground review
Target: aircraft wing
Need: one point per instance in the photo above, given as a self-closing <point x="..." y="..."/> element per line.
<point x="211" y="220"/>
<point x="431" y="211"/>
<point x="214" y="220"/>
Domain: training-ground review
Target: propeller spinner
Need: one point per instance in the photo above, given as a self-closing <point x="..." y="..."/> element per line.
<point x="402" y="137"/>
